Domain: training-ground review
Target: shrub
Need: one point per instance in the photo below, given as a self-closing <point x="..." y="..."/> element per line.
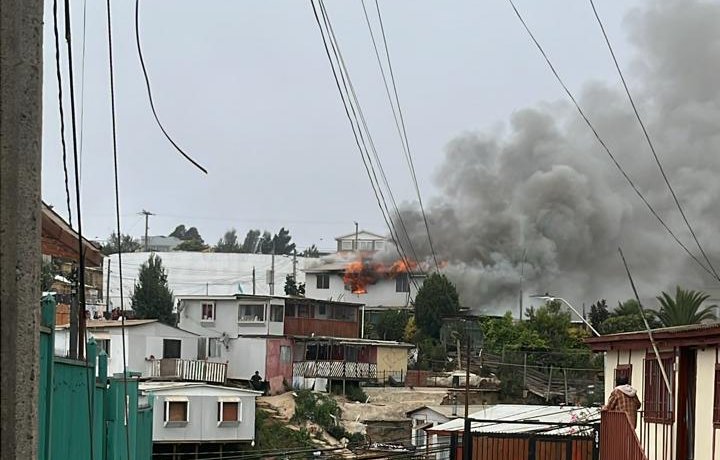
<point x="355" y="393"/>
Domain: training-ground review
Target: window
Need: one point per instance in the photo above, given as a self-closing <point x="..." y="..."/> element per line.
<point x="229" y="411"/>
<point x="343" y="313"/>
<point x="176" y="412"/>
<point x="322" y="310"/>
<point x="103" y="345"/>
<point x="346" y="245"/>
<point x="290" y="311"/>
<point x="716" y="409"/>
<point x="657" y="400"/>
<point x="251" y="313"/>
<point x="171" y="348"/>
<point x="624" y="370"/>
<point x="322" y="281"/>
<point x="208" y="312"/>
<point x="365" y="245"/>
<point x="304" y="311"/>
<point x="276" y="313"/>
<point x="214" y="347"/>
<point x="402" y="283"/>
<point x="379" y="245"/>
<point x="285" y="354"/>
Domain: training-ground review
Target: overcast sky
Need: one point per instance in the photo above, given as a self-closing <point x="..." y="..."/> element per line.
<point x="246" y="89"/>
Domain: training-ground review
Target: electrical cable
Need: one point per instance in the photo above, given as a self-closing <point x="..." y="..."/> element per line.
<point x="602" y="142"/>
<point x="81" y="246"/>
<point x="117" y="220"/>
<point x="649" y="141"/>
<point x="404" y="135"/>
<point x="82" y="85"/>
<point x="149" y="92"/>
<point x="58" y="74"/>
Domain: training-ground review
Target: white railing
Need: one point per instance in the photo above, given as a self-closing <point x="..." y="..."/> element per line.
<point x="187" y="369"/>
<point x="335" y="369"/>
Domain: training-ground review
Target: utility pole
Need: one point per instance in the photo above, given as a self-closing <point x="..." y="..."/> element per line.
<point x="253" y="280"/>
<point x="522" y="279"/>
<point x="107" y="291"/>
<point x="467" y="428"/>
<point x="21" y="34"/>
<point x="295" y="265"/>
<point x="271" y="282"/>
<point x="147" y="214"/>
<point x="357" y="248"/>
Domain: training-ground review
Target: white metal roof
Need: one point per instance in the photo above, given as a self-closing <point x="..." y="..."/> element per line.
<point x="160" y="387"/>
<point x="550" y="415"/>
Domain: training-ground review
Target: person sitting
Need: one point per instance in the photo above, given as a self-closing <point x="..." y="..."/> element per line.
<point x="256" y="381"/>
<point x="624" y="398"/>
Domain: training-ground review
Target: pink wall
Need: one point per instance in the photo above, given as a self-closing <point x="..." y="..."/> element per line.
<point x="277" y="370"/>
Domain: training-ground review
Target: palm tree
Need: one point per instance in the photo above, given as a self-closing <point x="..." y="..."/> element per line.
<point x="685" y="308"/>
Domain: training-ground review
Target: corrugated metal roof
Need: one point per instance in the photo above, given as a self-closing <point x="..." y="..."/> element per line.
<point x="549" y="415"/>
<point x="102" y="324"/>
<point x="447" y="410"/>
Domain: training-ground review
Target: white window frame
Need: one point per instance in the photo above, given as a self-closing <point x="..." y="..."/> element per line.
<point x="379" y="245"/>
<point x="176" y="423"/>
<point x="365" y="245"/>
<point x="324" y="277"/>
<point x="241" y="307"/>
<point x="221" y="403"/>
<point x="282" y="311"/>
<point x="214" y="347"/>
<point x="214" y="311"/>
<point x="346" y="245"/>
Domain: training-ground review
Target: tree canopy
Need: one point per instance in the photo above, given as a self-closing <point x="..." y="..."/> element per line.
<point x="685" y="308"/>
<point x="228" y="243"/>
<point x="312" y="252"/>
<point x="437" y="298"/>
<point x="124" y="243"/>
<point x="152" y="298"/>
<point x="191" y="239"/>
<point x="292" y="288"/>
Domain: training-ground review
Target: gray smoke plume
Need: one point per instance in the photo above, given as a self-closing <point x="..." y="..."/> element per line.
<point x="544" y="187"/>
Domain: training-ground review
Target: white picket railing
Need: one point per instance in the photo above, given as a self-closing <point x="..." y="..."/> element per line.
<point x="187" y="369"/>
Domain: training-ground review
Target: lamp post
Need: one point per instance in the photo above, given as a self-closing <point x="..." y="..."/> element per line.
<point x="550" y="298"/>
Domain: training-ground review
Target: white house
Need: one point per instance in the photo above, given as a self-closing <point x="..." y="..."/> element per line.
<point x="146" y="340"/>
<point x="361" y="241"/>
<point x="684" y="422"/>
<point x="429" y="416"/>
<point x="202" y="417"/>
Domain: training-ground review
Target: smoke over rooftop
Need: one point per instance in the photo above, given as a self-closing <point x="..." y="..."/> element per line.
<point x="542" y="186"/>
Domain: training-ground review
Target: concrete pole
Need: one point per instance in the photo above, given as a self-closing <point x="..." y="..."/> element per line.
<point x="20" y="223"/>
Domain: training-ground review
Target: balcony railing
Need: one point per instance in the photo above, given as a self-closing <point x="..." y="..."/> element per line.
<point x="187" y="369"/>
<point x="618" y="440"/>
<point x="335" y="369"/>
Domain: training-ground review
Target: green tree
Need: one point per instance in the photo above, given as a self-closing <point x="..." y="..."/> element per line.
<point x="391" y="325"/>
<point x="266" y="244"/>
<point x="152" y="299"/>
<point x="598" y="313"/>
<point x="685" y="308"/>
<point x="125" y="243"/>
<point x="503" y="333"/>
<point x="192" y="246"/>
<point x="47" y="276"/>
<point x="281" y="242"/>
<point x="629" y="307"/>
<point x="436" y="299"/>
<point x="192" y="241"/>
<point x="312" y="252"/>
<point x="250" y="243"/>
<point x="179" y="232"/>
<point x="293" y="288"/>
<point x="229" y="242"/>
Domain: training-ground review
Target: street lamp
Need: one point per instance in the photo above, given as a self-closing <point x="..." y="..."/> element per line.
<point x="550" y="298"/>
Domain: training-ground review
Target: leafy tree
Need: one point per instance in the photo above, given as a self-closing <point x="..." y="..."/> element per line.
<point x="436" y="299"/>
<point x="411" y="330"/>
<point x="598" y="313"/>
<point x="685" y="308"/>
<point x="47" y="276"/>
<point x="502" y="333"/>
<point x="192" y="246"/>
<point x="192" y="233"/>
<point x="627" y="323"/>
<point x="281" y="242"/>
<point x="629" y="307"/>
<point x="179" y="232"/>
<point x="229" y="242"/>
<point x="312" y="252"/>
<point x="152" y="299"/>
<point x="391" y="325"/>
<point x="266" y="244"/>
<point x="292" y="288"/>
<point x="125" y="243"/>
<point x="251" y="241"/>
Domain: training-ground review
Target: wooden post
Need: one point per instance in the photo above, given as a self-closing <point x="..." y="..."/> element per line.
<point x="566" y="387"/>
<point x="547" y="395"/>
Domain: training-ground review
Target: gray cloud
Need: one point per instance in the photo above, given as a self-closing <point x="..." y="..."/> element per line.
<point x="545" y="187"/>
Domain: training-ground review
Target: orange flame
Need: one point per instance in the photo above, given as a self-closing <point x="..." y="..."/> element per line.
<point x="358" y="275"/>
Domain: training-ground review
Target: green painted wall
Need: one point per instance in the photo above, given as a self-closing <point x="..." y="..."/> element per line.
<point x="69" y="388"/>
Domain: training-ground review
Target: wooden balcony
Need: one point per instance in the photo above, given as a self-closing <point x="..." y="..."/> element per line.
<point x="187" y="370"/>
<point x="321" y="327"/>
<point x="618" y="440"/>
<point x="335" y="369"/>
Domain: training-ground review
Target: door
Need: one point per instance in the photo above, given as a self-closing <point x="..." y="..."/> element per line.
<point x="687" y="378"/>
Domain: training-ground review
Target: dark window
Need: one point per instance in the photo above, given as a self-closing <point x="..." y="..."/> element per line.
<point x="176" y="411"/>
<point x="322" y="309"/>
<point x="657" y="400"/>
<point x="716" y="410"/>
<point x="276" y="313"/>
<point x="624" y="370"/>
<point x="402" y="283"/>
<point x="251" y="313"/>
<point x="208" y="312"/>
<point x="171" y="348"/>
<point x="322" y="281"/>
<point x="304" y="311"/>
<point x="343" y="313"/>
<point x="290" y="311"/>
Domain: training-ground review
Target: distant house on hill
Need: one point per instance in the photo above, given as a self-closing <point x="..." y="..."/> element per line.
<point x="161" y="243"/>
<point x="361" y="241"/>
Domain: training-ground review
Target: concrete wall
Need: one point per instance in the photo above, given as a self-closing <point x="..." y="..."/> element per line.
<point x="202" y="413"/>
<point x="245" y="356"/>
<point x="380" y="294"/>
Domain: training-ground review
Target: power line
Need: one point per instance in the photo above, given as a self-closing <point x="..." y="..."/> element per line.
<point x="82" y="84"/>
<point x="58" y="74"/>
<point x="357" y="133"/>
<point x="403" y="136"/>
<point x="649" y="141"/>
<point x="149" y="91"/>
<point x="117" y="220"/>
<point x="602" y="142"/>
